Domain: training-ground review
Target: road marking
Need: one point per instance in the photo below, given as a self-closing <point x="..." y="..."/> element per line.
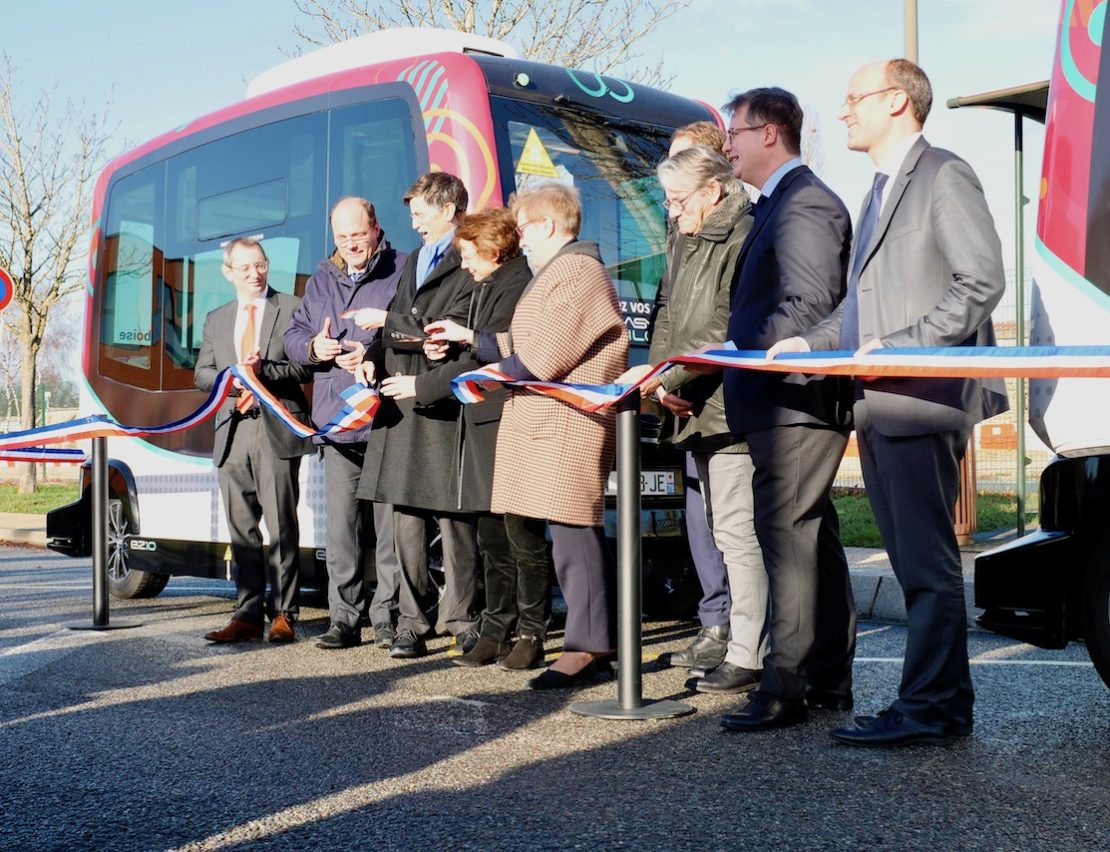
<point x="20" y="660"/>
<point x="1080" y="664"/>
<point x="469" y="702"/>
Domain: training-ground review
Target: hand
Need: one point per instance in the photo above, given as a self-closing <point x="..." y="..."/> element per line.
<point x="399" y="387"/>
<point x="633" y="374"/>
<point x="324" y="346"/>
<point x="366" y="318"/>
<point x="789" y="344"/>
<point x="252" y="360"/>
<point x="676" y="405"/>
<point x="650" y="386"/>
<point x="364" y="373"/>
<point x="869" y="346"/>
<point x="435" y="350"/>
<point x="350" y="360"/>
<point x="447" y="329"/>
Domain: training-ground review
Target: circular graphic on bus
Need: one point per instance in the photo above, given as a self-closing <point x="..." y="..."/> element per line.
<point x="7" y="288"/>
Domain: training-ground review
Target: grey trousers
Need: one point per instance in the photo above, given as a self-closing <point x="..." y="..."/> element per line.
<point x="383" y="606"/>
<point x="256" y="484"/>
<point x="794" y="471"/>
<point x="460" y="555"/>
<point x="587" y="577"/>
<point x="726" y="485"/>
<point x="343" y="543"/>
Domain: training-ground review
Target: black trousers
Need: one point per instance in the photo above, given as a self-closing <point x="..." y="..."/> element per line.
<point x="912" y="484"/>
<point x="517" y="559"/>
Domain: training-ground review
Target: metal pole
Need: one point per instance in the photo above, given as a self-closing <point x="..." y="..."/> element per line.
<point x="629" y="703"/>
<point x="909" y="15"/>
<point x="1019" y="320"/>
<point x="99" y="527"/>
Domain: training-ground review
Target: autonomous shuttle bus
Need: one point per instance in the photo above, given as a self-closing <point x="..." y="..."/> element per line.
<point x="1053" y="585"/>
<point x="366" y="118"/>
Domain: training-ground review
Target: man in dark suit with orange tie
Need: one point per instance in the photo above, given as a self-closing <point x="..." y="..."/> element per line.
<point x="257" y="457"/>
<point x="926" y="271"/>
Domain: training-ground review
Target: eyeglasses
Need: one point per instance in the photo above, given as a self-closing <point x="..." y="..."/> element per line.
<point x="733" y="132"/>
<point x="244" y="269"/>
<point x="355" y="240"/>
<point x="852" y="101"/>
<point x="673" y="205"/>
<point x="520" y="228"/>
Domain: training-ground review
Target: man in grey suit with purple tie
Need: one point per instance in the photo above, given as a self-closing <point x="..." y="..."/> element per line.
<point x="926" y="270"/>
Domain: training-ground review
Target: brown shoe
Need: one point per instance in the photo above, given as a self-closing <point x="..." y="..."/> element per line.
<point x="236" y="631"/>
<point x="281" y="629"/>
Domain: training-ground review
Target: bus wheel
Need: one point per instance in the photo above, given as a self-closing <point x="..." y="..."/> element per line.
<point x="122" y="581"/>
<point x="1096" y="612"/>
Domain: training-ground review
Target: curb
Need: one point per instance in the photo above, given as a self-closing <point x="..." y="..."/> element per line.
<point x="22" y="529"/>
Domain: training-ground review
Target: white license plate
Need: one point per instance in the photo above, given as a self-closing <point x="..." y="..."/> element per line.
<point x="653" y="483"/>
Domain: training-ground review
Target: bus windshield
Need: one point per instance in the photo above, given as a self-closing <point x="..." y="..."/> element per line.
<point x="612" y="164"/>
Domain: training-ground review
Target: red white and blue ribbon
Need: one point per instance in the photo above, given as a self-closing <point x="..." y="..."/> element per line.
<point x="941" y="362"/>
<point x="361" y="403"/>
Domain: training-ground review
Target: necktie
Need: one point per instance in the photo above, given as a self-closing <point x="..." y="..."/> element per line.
<point x="246" y="347"/>
<point x="849" y="318"/>
<point x="760" y="203"/>
<point x="436" y="256"/>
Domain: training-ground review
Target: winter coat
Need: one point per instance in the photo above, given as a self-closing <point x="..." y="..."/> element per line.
<point x="694" y="312"/>
<point x="553" y="460"/>
<point x="492" y="303"/>
<point x="328" y="293"/>
<point x="411" y="460"/>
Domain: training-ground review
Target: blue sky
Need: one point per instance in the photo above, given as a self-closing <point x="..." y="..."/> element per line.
<point x="163" y="63"/>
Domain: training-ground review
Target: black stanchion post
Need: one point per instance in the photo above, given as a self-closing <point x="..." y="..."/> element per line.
<point x="629" y="703"/>
<point x="99" y="524"/>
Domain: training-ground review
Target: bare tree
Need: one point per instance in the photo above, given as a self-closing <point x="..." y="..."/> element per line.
<point x="48" y="161"/>
<point x="813" y="152"/>
<point x="598" y="34"/>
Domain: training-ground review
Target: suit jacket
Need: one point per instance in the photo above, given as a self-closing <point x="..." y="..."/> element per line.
<point x="281" y="376"/>
<point x="931" y="277"/>
<point x="790" y="274"/>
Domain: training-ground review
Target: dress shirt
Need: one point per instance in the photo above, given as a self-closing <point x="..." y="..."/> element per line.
<point x="892" y="163"/>
<point x="430" y="255"/>
<point x="777" y="175"/>
<point x="241" y="321"/>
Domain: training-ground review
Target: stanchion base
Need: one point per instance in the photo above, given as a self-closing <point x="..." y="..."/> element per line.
<point x="612" y="709"/>
<point x="118" y="624"/>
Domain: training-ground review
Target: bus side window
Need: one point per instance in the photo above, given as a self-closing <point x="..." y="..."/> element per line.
<point x="373" y="155"/>
<point x="128" y="317"/>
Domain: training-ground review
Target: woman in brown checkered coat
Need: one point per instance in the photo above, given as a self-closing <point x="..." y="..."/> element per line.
<point x="553" y="460"/>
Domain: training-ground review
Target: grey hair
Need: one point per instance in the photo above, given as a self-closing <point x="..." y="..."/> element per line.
<point x="242" y="242"/>
<point x="697" y="166"/>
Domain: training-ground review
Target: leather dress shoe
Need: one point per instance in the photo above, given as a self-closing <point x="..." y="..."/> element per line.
<point x="764" y="712"/>
<point x="339" y="636"/>
<point x="828" y="699"/>
<point x="281" y="629"/>
<point x="891" y="728"/>
<point x="706" y="652"/>
<point x="384" y="634"/>
<point x="407" y="646"/>
<point x="726" y="678"/>
<point x="484" y="652"/>
<point x="237" y="630"/>
<point x="552" y="679"/>
<point x="526" y="654"/>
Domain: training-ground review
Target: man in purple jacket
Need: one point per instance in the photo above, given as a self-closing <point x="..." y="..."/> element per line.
<point x="363" y="273"/>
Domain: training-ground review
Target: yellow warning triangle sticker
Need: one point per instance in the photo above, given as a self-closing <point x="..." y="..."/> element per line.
<point x="534" y="159"/>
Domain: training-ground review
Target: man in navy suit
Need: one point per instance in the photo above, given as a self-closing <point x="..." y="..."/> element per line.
<point x="926" y="271"/>
<point x="790" y="273"/>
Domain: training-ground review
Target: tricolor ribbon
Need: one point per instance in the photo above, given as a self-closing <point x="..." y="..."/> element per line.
<point x="360" y="405"/>
<point x="1038" y="362"/>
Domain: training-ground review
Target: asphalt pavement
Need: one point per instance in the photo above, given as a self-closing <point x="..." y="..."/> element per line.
<point x="150" y="738"/>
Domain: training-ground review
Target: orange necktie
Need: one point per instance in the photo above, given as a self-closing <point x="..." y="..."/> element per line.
<point x="246" y="347"/>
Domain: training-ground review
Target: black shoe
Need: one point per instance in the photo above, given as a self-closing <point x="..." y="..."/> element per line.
<point x="726" y="678"/>
<point x="463" y="643"/>
<point x="764" y="712"/>
<point x="484" y="652"/>
<point x="890" y="728"/>
<point x="339" y="636"/>
<point x="828" y="699"/>
<point x="706" y="652"/>
<point x="384" y="635"/>
<point x="527" y="653"/>
<point x="407" y="645"/>
<point x="551" y="679"/>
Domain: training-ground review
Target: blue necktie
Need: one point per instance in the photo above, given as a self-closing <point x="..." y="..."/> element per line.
<point x="849" y="319"/>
